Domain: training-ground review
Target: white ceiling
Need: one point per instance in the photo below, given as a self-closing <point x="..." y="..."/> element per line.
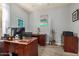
<point x="40" y="6"/>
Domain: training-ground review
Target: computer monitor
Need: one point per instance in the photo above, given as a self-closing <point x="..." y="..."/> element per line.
<point x="27" y="34"/>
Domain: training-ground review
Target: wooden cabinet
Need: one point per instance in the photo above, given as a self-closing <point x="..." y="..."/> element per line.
<point x="31" y="49"/>
<point x="41" y="39"/>
<point x="22" y="49"/>
<point x="17" y="48"/>
<point x="71" y="44"/>
<point x="6" y="47"/>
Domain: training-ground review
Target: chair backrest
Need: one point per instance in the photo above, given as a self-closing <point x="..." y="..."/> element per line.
<point x="68" y="33"/>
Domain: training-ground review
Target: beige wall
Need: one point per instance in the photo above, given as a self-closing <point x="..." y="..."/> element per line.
<point x="0" y="22"/>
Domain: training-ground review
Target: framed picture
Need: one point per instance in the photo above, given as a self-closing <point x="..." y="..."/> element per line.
<point x="75" y="15"/>
<point x="44" y="20"/>
<point x="20" y="23"/>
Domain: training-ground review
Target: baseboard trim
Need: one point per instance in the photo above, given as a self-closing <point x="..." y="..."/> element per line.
<point x="58" y="43"/>
<point x="47" y="42"/>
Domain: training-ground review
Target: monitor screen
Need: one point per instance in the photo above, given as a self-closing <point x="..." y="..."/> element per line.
<point x="27" y="34"/>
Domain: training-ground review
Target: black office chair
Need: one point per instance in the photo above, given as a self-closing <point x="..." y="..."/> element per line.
<point x="67" y="33"/>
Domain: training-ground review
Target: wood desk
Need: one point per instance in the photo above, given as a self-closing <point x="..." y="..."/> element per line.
<point x="25" y="47"/>
<point x="41" y="39"/>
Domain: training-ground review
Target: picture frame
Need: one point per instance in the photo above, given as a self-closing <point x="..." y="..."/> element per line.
<point x="75" y="15"/>
<point x="20" y="23"/>
<point x="43" y="20"/>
